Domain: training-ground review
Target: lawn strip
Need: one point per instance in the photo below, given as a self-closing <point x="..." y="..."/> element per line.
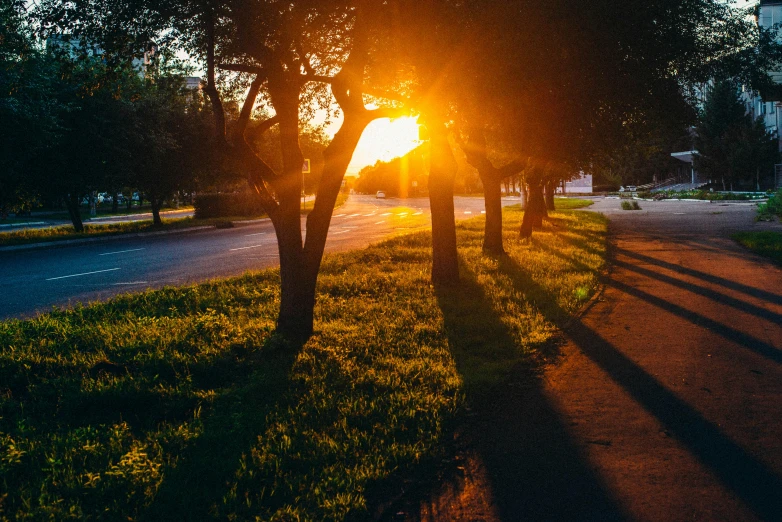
<point x="768" y="243"/>
<point x="181" y="403"/>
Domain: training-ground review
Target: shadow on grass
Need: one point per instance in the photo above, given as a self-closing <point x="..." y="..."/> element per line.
<point x="535" y="469"/>
<point x="194" y="489"/>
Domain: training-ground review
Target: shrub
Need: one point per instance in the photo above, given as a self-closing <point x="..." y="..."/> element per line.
<point x="773" y="207"/>
<point x="630" y="205"/>
<point x="227" y="204"/>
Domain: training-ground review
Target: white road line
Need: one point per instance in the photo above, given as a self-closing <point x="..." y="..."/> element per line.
<point x="483" y="211"/>
<point x="83" y="274"/>
<point x="340" y="215"/>
<point x="402" y="214"/>
<point x="354" y="215"/>
<point x="131" y="283"/>
<point x="245" y="248"/>
<point x="380" y="222"/>
<point x="122" y="252"/>
<point x="340" y="232"/>
<point x="386" y="214"/>
<point x="258" y="234"/>
<point x="468" y="211"/>
<point x="368" y="215"/>
<point x="418" y="213"/>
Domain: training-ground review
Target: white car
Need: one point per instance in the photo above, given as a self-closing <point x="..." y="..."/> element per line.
<point x="380" y="194"/>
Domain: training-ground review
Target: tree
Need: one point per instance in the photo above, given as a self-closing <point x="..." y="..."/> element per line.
<point x="27" y="108"/>
<point x="731" y="146"/>
<point x="288" y="54"/>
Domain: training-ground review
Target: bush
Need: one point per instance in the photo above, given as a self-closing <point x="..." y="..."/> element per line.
<point x="773" y="207"/>
<point x="227" y="204"/>
<point x="630" y="205"/>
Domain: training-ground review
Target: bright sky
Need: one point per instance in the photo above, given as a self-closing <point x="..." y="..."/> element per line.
<point x="385" y="140"/>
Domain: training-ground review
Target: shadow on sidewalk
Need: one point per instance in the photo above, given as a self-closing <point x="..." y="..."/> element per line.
<point x="746" y="476"/>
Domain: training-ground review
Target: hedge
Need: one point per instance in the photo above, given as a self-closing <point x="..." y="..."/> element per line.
<point x="227" y="204"/>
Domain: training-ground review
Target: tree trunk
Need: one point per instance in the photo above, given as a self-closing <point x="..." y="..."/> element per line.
<point x="115" y="203"/>
<point x="550" y="196"/>
<point x="72" y="204"/>
<point x="523" y="194"/>
<point x="492" y="236"/>
<point x="535" y="212"/>
<point x="442" y="173"/>
<point x="156" y="203"/>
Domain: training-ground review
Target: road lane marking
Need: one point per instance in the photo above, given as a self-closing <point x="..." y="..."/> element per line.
<point x="380" y="222"/>
<point x="468" y="212"/>
<point x="122" y="251"/>
<point x="340" y="232"/>
<point x="483" y="211"/>
<point x="340" y="215"/>
<point x="402" y="214"/>
<point x="131" y="283"/>
<point x="386" y="214"/>
<point x="245" y="248"/>
<point x="418" y="213"/>
<point x="354" y="215"/>
<point x="83" y="274"/>
<point x="258" y="234"/>
<point x="368" y="215"/>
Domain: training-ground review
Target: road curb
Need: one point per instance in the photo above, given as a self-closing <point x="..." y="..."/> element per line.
<point x="114" y="237"/>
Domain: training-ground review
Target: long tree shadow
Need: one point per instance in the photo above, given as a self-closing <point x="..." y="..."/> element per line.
<point x="535" y="469"/>
<point x="747" y="341"/>
<point x="727" y="283"/>
<point x="703" y="291"/>
<point x="195" y="487"/>
<point x="745" y="475"/>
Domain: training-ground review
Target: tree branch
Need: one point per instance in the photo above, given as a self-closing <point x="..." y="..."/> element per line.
<point x="241" y="67"/>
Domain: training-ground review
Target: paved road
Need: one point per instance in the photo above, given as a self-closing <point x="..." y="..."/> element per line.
<point x="33" y="281"/>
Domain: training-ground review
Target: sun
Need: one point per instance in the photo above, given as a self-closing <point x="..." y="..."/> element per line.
<point x="385" y="139"/>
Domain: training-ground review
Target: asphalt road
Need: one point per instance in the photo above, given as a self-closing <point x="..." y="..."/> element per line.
<point x="32" y="281"/>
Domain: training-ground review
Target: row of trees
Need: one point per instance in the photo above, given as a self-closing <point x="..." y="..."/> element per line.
<point x="74" y="123"/>
<point x="523" y="85"/>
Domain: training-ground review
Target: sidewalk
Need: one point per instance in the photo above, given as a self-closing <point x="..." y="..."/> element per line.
<point x="666" y="403"/>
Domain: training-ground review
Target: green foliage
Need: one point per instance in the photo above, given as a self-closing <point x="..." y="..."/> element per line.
<point x="772" y="208"/>
<point x="731" y="146"/>
<point x="631" y="205"/>
<point x="767" y="243"/>
<point x="702" y="194"/>
<point x="227" y="204"/>
<point x="180" y="403"/>
<point x="396" y="177"/>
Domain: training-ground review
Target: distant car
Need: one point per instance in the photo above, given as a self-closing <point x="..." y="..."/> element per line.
<point x="380" y="194"/>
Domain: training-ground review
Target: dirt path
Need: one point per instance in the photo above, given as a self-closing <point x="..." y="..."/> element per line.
<point x="667" y="401"/>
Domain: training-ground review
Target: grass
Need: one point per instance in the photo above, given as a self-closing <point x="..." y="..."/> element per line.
<point x="772" y="208"/>
<point x="65" y="232"/>
<point x="767" y="244"/>
<point x="181" y="403"/>
<point x="572" y="203"/>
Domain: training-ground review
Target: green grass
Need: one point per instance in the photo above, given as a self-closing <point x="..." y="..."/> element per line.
<point x="767" y="244"/>
<point x="65" y="232"/>
<point x="181" y="404"/>
<point x="572" y="203"/>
